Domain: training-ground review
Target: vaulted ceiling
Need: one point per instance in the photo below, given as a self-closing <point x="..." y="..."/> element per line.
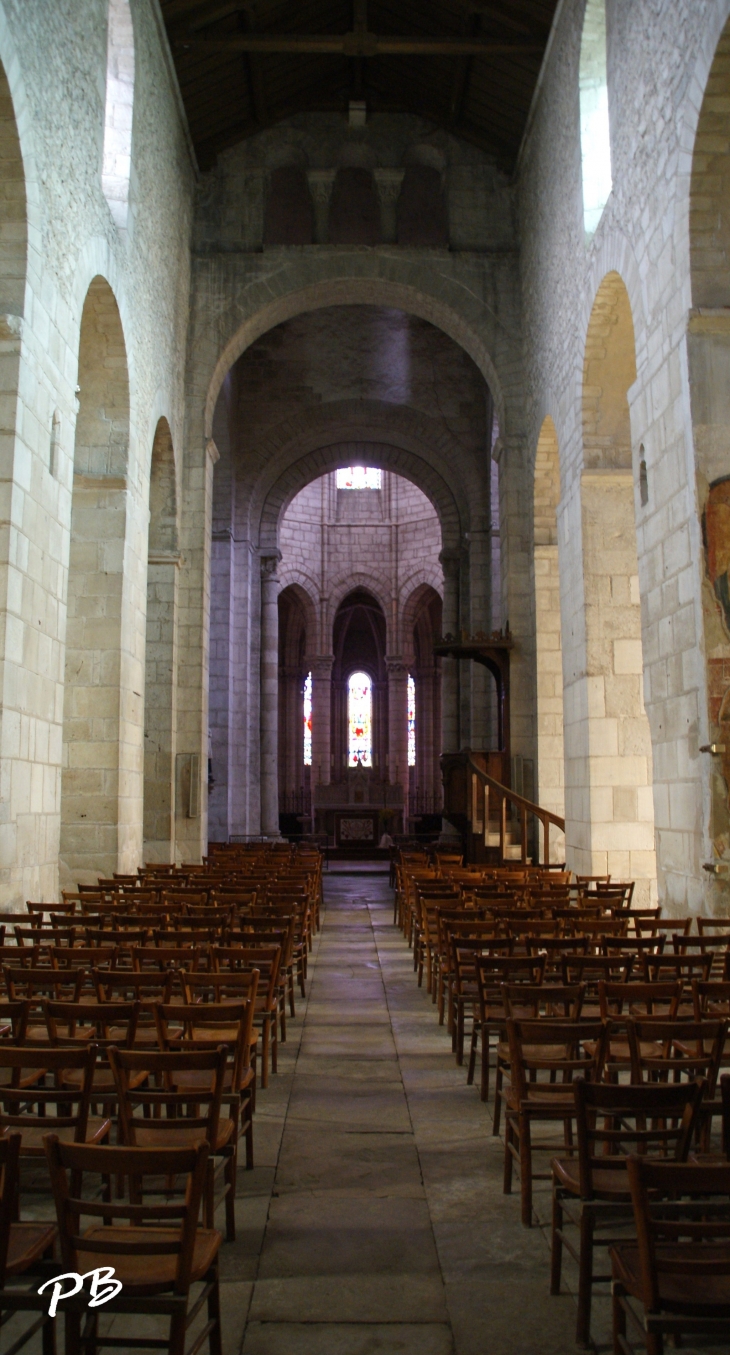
<point x="467" y="65"/>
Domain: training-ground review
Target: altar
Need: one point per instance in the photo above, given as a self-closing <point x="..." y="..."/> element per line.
<point x="356" y="810"/>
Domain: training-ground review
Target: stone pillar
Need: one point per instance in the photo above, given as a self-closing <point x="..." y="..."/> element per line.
<point x="397" y="672"/>
<point x="321" y="182"/>
<point x="423" y="679"/>
<point x="160" y="706"/>
<point x="480" y="611"/>
<point x="388" y="183"/>
<point x="449" y="667"/>
<point x="321" y="667"/>
<point x="269" y="695"/>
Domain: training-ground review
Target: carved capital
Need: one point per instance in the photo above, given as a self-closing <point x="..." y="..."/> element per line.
<point x="450" y="563"/>
<point x="269" y="564"/>
<point x="212" y="451"/>
<point x="321" y="667"/>
<point x="320" y="185"/>
<point x="396" y="668"/>
<point x="388" y="183"/>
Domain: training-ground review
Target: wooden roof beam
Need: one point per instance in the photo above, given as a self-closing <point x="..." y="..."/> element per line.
<point x="356" y="44"/>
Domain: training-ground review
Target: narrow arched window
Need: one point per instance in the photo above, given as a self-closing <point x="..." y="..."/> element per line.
<point x="360" y="720"/>
<point x="595" y="132"/>
<point x="117" y="161"/>
<point x="308" y="720"/>
<point x="411" y="722"/>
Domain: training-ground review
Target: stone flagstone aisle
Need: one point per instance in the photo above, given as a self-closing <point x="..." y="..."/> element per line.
<point x="375" y="1220"/>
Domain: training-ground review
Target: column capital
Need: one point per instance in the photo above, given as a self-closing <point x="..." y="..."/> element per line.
<point x="269" y="564"/>
<point x="320" y="666"/>
<point x="321" y="182"/>
<point x="395" y="666"/>
<point x="388" y="183"/>
<point x="450" y="563"/>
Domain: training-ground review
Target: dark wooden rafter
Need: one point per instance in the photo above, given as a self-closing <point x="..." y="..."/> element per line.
<point x="469" y="66"/>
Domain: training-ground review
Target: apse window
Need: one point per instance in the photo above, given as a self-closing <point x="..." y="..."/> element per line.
<point x="411" y="722"/>
<point x="359" y="477"/>
<point x="360" y="720"/>
<point x="308" y="720"/>
<point x="116" y="166"/>
<point x="595" y="131"/>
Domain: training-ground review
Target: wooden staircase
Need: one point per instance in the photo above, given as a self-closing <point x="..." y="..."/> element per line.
<point x="496" y="825"/>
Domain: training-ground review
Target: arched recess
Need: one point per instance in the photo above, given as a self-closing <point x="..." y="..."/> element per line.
<point x="118" y="110"/>
<point x="96" y="729"/>
<point x="611" y="764"/>
<point x="550" y="787"/>
<point x="297" y="634"/>
<point x="421" y="626"/>
<point x="708" y="345"/>
<point x="163" y="558"/>
<point x="359" y="644"/>
<point x="13" y="215"/>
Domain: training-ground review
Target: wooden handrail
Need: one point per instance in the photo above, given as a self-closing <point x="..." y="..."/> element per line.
<point x="505" y="795"/>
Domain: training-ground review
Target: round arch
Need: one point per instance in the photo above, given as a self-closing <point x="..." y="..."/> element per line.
<point x="346" y="436"/>
<point x="295" y="299"/>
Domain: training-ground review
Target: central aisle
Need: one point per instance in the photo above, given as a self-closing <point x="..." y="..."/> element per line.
<point x="383" y="1227"/>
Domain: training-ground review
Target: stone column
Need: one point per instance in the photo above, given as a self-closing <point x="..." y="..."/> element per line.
<point x="321" y="182"/>
<point x="160" y="705"/>
<point x="388" y="183"/>
<point x="269" y="695"/>
<point x="321" y="668"/>
<point x="423" y="679"/>
<point x="397" y="672"/>
<point x="480" y="611"/>
<point x="449" y="667"/>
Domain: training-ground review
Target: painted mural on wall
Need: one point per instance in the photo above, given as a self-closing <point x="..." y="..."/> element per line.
<point x="716" y="533"/>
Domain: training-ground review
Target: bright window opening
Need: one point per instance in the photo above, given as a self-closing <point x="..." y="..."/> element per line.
<point x="411" y="722"/>
<point x="359" y="477"/>
<point x="116" y="166"/>
<point x="360" y="720"/>
<point x="595" y="132"/>
<point x="308" y="720"/>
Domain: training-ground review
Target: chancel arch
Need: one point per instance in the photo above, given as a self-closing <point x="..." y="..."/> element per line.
<point x="96" y="732"/>
<point x="611" y="765"/>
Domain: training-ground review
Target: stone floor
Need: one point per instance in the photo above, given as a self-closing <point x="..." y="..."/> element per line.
<point x="374" y="1222"/>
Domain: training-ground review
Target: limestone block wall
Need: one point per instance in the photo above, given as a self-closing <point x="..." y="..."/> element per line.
<point x="54" y="60"/>
<point x="659" y="60"/>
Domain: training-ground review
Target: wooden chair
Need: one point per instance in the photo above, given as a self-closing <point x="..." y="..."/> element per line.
<point x="179" y="1093"/>
<point x="531" y="1002"/>
<point x="463" y="993"/>
<point x="591" y="1192"/>
<point x="209" y="1024"/>
<point x="619" y="1002"/>
<point x="675" y="1279"/>
<point x="71" y="1120"/>
<point x="157" y="1251"/>
<point x="25" y="1249"/>
<point x="492" y="972"/>
<point x="228" y="961"/>
<point x="545" y="1058"/>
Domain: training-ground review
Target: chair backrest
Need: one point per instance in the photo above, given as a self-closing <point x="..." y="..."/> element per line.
<point x="673" y="1208"/>
<point x="14" y="1097"/>
<point x="614" y="1119"/>
<point x="68" y="1164"/>
<point x="205" y="1025"/>
<point x="556" y="1049"/>
<point x="639" y="999"/>
<point x="69" y="1023"/>
<point x="494" y="971"/>
<point x="9" y="1176"/>
<point x="689" y="1049"/>
<point x="528" y="1002"/>
<point x="161" y="958"/>
<point x="127" y="985"/>
<point x="36" y="984"/>
<point x="710" y="998"/>
<point x="168" y="1097"/>
<point x="685" y="967"/>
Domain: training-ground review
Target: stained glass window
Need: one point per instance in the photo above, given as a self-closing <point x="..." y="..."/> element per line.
<point x="359" y="477"/>
<point x="308" y="720"/>
<point x="360" y="720"/>
<point x="411" y="722"/>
